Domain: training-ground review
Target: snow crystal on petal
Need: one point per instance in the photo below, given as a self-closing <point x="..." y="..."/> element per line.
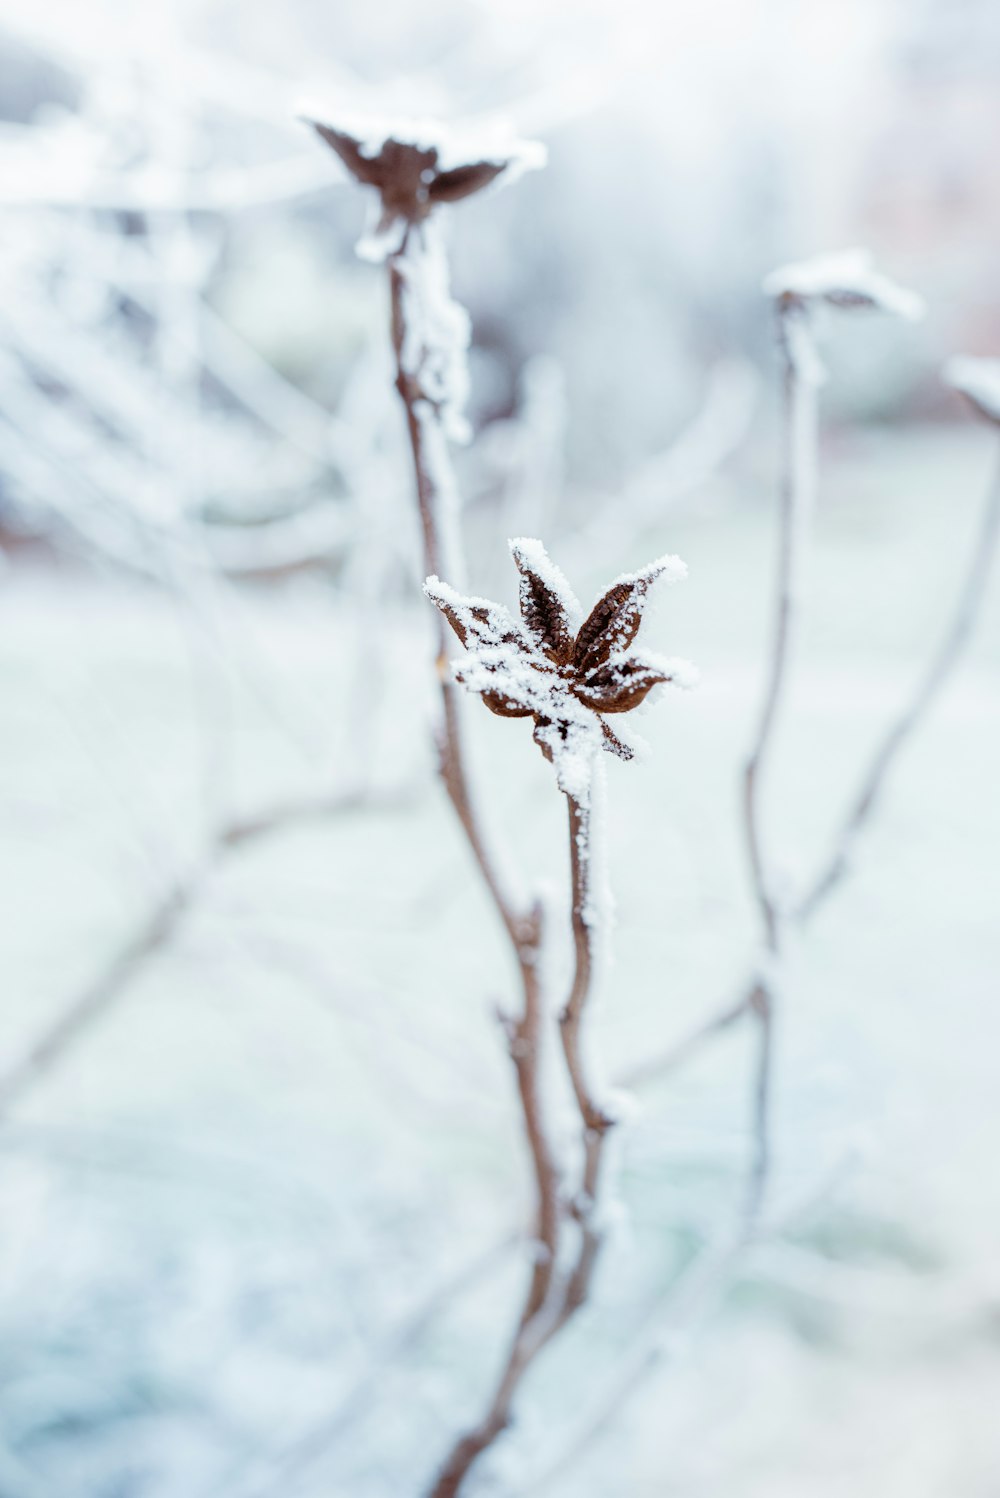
<point x="682" y="673"/>
<point x="978" y="380"/>
<point x="537" y="558"/>
<point x="670" y="569"/>
<point x="847" y="279"/>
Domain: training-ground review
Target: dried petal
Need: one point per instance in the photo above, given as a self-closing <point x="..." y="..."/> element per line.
<point x="613" y="744"/>
<point x="404" y="172"/>
<point x="452" y="616"/>
<point x="365" y="168"/>
<point x="544" y="612"/>
<point x="487" y="623"/>
<point x="504" y="707"/>
<point x="848" y="279"/>
<point x="463" y="181"/>
<point x="612" y="623"/>
<point x="619" y="686"/>
<point x="543" y="733"/>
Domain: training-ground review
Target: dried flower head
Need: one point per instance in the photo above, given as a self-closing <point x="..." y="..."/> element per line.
<point x="417" y="165"/>
<point x="978" y="380"/>
<point x="847" y="280"/>
<point x="566" y="675"/>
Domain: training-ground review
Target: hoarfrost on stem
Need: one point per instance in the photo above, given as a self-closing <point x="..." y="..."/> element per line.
<point x="435" y="334"/>
<point x="418" y="165"/>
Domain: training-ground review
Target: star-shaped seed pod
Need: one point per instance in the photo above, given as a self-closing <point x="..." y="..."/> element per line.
<point x="417" y="165"/>
<point x="566" y="675"/>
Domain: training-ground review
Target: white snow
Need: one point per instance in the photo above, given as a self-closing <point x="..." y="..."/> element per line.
<point x="681" y="673"/>
<point x="436" y="331"/>
<point x="670" y="568"/>
<point x="489" y="140"/>
<point x="978" y="380"/>
<point x="532" y="553"/>
<point x="845" y="279"/>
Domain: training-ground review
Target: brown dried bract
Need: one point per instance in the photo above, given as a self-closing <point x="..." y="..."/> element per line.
<point x="566" y="680"/>
<point x="407" y="174"/>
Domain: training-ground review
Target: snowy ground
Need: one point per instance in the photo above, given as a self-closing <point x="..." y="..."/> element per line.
<point x="298" y="1121"/>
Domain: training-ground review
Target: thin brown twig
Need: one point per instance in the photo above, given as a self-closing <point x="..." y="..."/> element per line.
<point x="596" y="1120"/>
<point x="946" y="656"/>
<point x="798" y="484"/>
<point x="665" y="1321"/>
<point x="433" y="475"/>
<point x="837" y="865"/>
<point x="566" y="1293"/>
<point x="302" y="1454"/>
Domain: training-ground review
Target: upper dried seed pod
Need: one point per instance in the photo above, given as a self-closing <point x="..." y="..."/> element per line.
<point x="848" y="279"/>
<point x="417" y="165"/>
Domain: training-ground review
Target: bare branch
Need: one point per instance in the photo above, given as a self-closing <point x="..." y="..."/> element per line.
<point x="937" y="672"/>
<point x="798" y="485"/>
<point x="411" y="273"/>
<point x="565" y="1293"/>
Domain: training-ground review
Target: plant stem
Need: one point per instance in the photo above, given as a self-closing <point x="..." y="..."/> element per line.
<point x="409" y="270"/>
<point x="939" y="668"/>
<point x="565" y="1294"/>
<point x="798" y="486"/>
<point x="943" y="662"/>
<point x="596" y="1120"/>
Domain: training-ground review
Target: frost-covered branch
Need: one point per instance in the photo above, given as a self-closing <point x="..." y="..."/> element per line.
<point x="979" y="381"/>
<point x="414" y="169"/>
<point x="846" y="281"/>
<point x="567" y="673"/>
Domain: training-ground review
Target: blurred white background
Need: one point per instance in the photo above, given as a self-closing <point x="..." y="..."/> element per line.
<point x="245" y="1211"/>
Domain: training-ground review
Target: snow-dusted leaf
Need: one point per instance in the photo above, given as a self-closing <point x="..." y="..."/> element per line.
<point x="547" y="603"/>
<point x="613" y="622"/>
<point x="418" y="164"/>
<point x="364" y="168"/>
<point x="620" y="684"/>
<point x="978" y="380"/>
<point x="614" y="744"/>
<point x="848" y="279"/>
<point x="463" y="181"/>
<point x="504" y="707"/>
<point x="476" y="621"/>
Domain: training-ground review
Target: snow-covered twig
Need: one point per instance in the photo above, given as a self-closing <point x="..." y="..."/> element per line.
<point x="846" y="281"/>
<point x="664" y="1333"/>
<point x="414" y="170"/>
<point x="567" y="676"/>
<point x="979" y="379"/>
<point x="798" y="486"/>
